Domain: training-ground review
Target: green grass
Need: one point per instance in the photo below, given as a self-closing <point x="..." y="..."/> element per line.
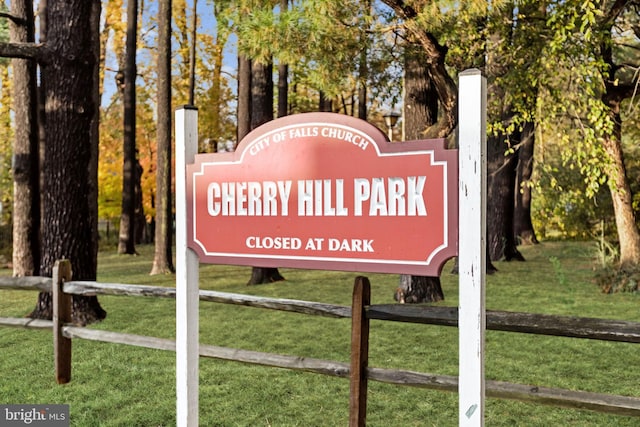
<point x="116" y="385"/>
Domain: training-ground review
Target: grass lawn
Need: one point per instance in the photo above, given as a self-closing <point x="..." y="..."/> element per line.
<point x="116" y="385"/>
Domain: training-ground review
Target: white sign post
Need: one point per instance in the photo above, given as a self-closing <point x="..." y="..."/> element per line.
<point x="472" y="245"/>
<point x="187" y="278"/>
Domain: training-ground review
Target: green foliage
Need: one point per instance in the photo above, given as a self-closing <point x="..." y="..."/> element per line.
<point x="110" y="164"/>
<point x="580" y="37"/>
<point x="575" y="120"/>
<point x="570" y="200"/>
<point x="322" y="42"/>
<point x="560" y="206"/>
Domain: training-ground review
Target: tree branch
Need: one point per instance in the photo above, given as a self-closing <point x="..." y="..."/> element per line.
<point x="619" y="92"/>
<point x="12" y="18"/>
<point x="616" y="9"/>
<point x="446" y="87"/>
<point x="35" y="51"/>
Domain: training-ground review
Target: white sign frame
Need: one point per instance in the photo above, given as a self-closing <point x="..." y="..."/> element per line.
<point x="471" y="258"/>
<point x="472" y="265"/>
<point x="187" y="278"/>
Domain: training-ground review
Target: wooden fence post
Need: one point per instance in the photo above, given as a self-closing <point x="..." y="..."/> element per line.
<point x="61" y="316"/>
<point x="359" y="352"/>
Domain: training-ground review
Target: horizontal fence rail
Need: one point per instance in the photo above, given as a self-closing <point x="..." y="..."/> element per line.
<point x="576" y="327"/>
<point x="30" y="283"/>
<point x="619" y="405"/>
<point x="532" y="323"/>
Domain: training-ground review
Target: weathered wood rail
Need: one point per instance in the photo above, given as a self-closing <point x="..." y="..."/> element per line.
<point x="532" y="323"/>
<point x="576" y="327"/>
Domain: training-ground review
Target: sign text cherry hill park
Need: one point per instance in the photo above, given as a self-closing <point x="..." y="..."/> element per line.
<point x="325" y="191"/>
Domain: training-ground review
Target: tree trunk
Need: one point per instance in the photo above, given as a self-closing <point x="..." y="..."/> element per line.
<point x="324" y="104"/>
<point x="362" y="100"/>
<point x="522" y="224"/>
<point x="435" y="54"/>
<point x="214" y="115"/>
<point x="417" y="289"/>
<point x="163" y="258"/>
<point x="263" y="275"/>
<point x="615" y="92"/>
<point x="501" y="157"/>
<point x="420" y="97"/>
<point x="42" y="18"/>
<point x="501" y="242"/>
<point x="68" y="226"/>
<point x="261" y="94"/>
<point x="283" y="77"/>
<point x="421" y="111"/>
<point x="96" y="12"/>
<point x="140" y="218"/>
<point x="126" y="241"/>
<point x="363" y="75"/>
<point x="621" y="195"/>
<point x="244" y="97"/>
<point x="262" y="112"/>
<point x="283" y="89"/>
<point x="26" y="154"/>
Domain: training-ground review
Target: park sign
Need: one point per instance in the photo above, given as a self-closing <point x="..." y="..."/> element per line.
<point x="325" y="191"/>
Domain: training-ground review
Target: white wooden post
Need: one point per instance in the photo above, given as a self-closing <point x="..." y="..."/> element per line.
<point x="187" y="277"/>
<point x="472" y="245"/>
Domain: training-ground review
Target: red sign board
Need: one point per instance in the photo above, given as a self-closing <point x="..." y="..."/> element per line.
<point x="325" y="191"/>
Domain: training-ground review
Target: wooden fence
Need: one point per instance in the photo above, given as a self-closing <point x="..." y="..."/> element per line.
<point x="360" y="312"/>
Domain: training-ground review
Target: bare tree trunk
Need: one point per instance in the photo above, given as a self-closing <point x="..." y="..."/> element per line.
<point x="621" y="195"/>
<point x="139" y="216"/>
<point x="283" y="77"/>
<point x="420" y="97"/>
<point x="615" y="92"/>
<point x="324" y="104"/>
<point x="126" y="241"/>
<point x="26" y="155"/>
<point x="283" y="89"/>
<point x="501" y="161"/>
<point x="362" y="98"/>
<point x="244" y="97"/>
<point x="417" y="289"/>
<point x="262" y="112"/>
<point x="501" y="179"/>
<point x="42" y="18"/>
<point x="96" y="11"/>
<point x="68" y="226"/>
<point x="163" y="257"/>
<point x="421" y="112"/>
<point x="363" y="75"/>
<point x="261" y="94"/>
<point x="523" y="226"/>
<point x="192" y="54"/>
<point x="442" y="81"/>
